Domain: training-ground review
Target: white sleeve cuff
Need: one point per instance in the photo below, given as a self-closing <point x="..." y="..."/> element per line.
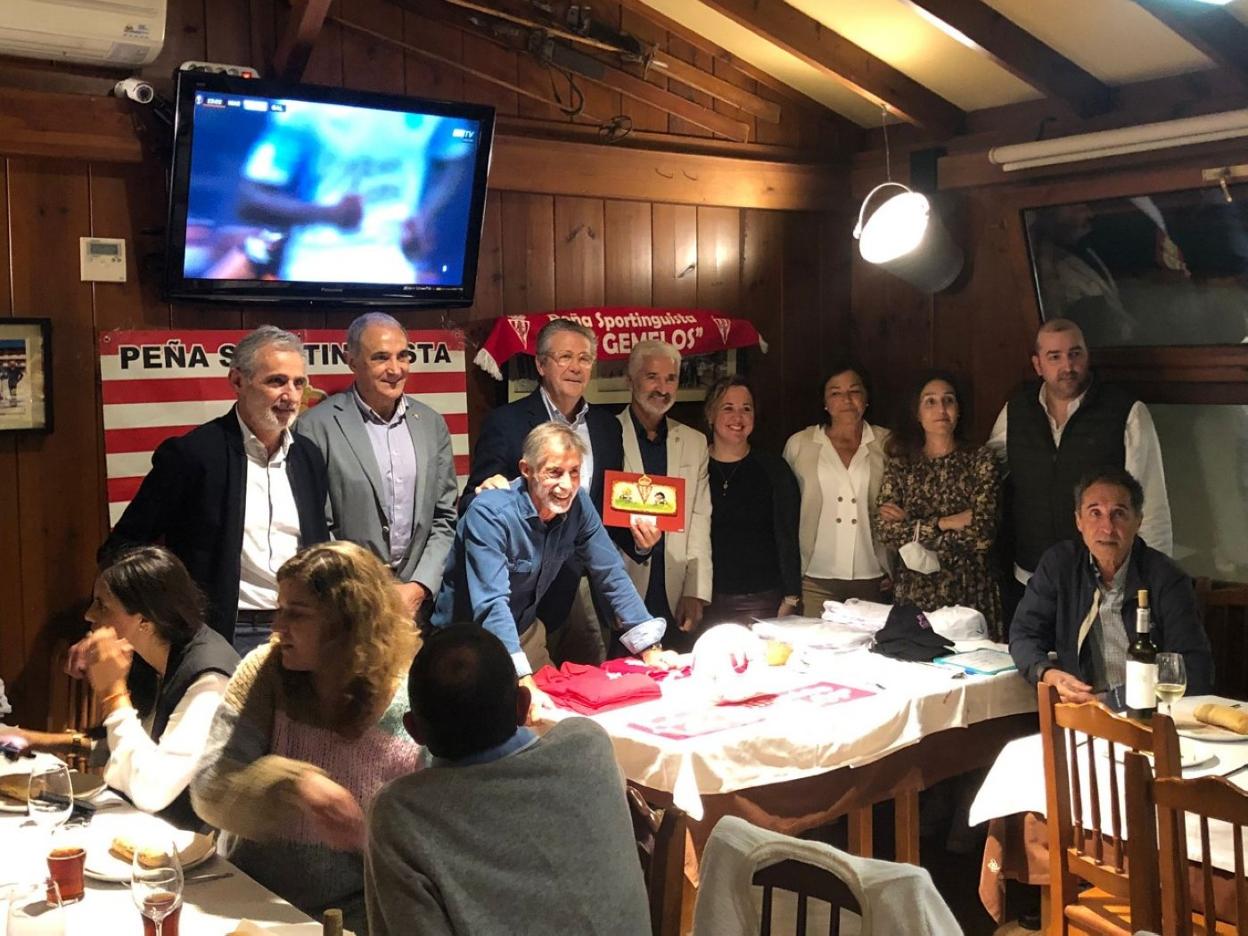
<point x="646" y="634"/>
<point x="521" y="662"/>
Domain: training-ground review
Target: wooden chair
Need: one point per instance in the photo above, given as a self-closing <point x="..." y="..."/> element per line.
<point x="1116" y="903"/>
<point x="71" y="702"/>
<point x="1224" y="609"/>
<point x="1167" y="801"/>
<point x="661" y="848"/>
<point x="806" y="881"/>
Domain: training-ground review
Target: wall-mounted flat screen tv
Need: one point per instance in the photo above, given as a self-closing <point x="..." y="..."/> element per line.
<point x="296" y="193"/>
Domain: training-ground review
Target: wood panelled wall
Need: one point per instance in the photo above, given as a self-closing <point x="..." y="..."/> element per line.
<point x="787" y="271"/>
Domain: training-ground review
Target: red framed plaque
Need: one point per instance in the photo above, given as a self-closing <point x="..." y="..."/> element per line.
<point x="627" y="495"/>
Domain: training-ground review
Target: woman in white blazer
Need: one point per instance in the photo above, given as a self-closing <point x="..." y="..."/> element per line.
<point x="839" y="464"/>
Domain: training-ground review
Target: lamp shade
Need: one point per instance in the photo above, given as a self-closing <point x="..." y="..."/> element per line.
<point x="906" y="237"/>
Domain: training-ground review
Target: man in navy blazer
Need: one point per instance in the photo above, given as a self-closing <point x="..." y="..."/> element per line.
<point x="239" y="495"/>
<point x="566" y="352"/>
<point x="392" y="484"/>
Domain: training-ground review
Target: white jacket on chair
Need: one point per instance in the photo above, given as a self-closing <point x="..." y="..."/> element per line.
<point x="895" y="898"/>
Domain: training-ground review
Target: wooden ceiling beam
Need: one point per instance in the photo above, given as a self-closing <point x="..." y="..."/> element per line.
<point x="1212" y="30"/>
<point x="698" y="41"/>
<point x="841" y="60"/>
<point x="1019" y="52"/>
<point x="290" y="58"/>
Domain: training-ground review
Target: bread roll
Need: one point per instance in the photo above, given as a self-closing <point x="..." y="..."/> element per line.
<point x="123" y="848"/>
<point x="1223" y="716"/>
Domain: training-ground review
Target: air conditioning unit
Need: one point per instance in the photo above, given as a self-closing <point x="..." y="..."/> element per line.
<point x="123" y="33"/>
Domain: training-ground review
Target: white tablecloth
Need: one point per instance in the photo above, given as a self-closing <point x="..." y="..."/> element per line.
<point x="908" y="702"/>
<point x="211" y="908"/>
<point x="1015" y="783"/>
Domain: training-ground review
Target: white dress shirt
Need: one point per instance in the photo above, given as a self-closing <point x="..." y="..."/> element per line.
<point x="153" y="774"/>
<point x="270" y="522"/>
<point x="580" y="426"/>
<point x="843" y="546"/>
<point x="1143" y="462"/>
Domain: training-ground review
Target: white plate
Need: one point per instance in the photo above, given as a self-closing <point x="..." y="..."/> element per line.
<point x="1193" y="753"/>
<point x="102" y="865"/>
<point x="1203" y="732"/>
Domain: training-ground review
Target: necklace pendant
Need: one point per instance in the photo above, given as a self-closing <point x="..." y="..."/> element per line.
<point x="724" y="487"/>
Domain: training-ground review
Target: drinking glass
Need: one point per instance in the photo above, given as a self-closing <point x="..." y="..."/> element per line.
<point x="1171" y="679"/>
<point x="35" y="910"/>
<point x="50" y="798"/>
<point x="156" y="887"/>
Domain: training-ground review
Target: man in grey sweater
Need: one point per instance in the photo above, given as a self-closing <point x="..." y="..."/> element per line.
<point x="503" y="832"/>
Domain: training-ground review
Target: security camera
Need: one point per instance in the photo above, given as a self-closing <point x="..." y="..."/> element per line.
<point x="136" y="89"/>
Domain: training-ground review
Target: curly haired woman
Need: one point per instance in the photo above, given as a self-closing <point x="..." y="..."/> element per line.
<point x="311" y="728"/>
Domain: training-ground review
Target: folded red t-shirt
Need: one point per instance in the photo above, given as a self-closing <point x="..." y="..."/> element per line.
<point x="588" y="690"/>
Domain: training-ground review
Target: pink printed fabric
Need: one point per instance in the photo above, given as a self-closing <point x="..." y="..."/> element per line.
<point x="704" y="720"/>
<point x="362" y="766"/>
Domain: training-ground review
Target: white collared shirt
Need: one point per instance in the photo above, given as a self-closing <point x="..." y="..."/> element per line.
<point x="270" y="522"/>
<point x="1143" y="461"/>
<point x="843" y="546"/>
<point x="578" y="425"/>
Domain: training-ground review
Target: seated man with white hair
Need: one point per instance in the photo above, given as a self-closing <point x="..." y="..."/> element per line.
<point x="512" y="542"/>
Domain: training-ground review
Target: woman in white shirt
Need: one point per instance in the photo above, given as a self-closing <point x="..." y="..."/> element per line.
<point x="158" y="709"/>
<point x="839" y="464"/>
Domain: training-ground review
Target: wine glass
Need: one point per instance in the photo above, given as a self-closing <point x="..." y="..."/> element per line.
<point x="156" y="887"/>
<point x="50" y="796"/>
<point x="1171" y="679"/>
<point x="35" y="910"/>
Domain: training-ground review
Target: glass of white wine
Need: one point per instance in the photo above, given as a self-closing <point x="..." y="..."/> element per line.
<point x="1171" y="679"/>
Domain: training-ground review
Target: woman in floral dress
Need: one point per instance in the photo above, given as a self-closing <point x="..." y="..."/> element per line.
<point x="945" y="494"/>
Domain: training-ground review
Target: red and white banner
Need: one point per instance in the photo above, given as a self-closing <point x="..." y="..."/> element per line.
<point x="158" y="384"/>
<point x="692" y="331"/>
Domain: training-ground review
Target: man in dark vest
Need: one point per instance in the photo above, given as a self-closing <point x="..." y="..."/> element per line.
<point x="1048" y="436"/>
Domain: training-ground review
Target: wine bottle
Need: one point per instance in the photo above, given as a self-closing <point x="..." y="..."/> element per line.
<point x="1142" y="665"/>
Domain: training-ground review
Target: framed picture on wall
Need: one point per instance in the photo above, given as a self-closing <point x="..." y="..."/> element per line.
<point x="1160" y="270"/>
<point x="25" y="375"/>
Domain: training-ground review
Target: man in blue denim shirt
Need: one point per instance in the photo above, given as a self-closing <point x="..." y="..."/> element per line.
<point x="512" y="542"/>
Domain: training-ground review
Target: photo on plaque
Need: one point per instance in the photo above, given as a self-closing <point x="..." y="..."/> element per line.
<point x="628" y="495"/>
<point x="25" y="375"/>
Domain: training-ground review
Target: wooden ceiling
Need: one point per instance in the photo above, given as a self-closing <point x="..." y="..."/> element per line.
<point x="939" y="65"/>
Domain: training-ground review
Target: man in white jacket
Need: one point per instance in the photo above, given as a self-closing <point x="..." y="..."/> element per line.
<point x="674" y="577"/>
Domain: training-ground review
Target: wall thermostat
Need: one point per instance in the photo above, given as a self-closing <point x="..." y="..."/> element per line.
<point x="103" y="259"/>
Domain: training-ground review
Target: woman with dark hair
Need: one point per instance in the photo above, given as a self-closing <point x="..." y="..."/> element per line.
<point x="754" y="510"/>
<point x="839" y="464"/>
<point x="311" y="728"/>
<point x="942" y="494"/>
<point x="145" y="604"/>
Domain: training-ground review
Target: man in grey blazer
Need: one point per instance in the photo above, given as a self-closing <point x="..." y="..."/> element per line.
<point x="392" y="485"/>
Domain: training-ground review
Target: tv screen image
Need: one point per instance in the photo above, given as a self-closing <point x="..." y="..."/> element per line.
<point x="298" y="193"/>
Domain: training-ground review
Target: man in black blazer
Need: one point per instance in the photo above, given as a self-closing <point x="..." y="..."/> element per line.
<point x="566" y="352"/>
<point x="237" y="496"/>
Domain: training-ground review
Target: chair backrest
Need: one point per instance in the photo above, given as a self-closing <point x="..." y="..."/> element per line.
<point x="71" y="702"/>
<point x="661" y="847"/>
<point x="806" y="881"/>
<point x="1208" y="798"/>
<point x="1084" y="843"/>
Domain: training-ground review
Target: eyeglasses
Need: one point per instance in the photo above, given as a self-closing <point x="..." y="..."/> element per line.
<point x="564" y="358"/>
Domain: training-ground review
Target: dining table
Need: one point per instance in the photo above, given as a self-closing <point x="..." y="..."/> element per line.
<point x="1013" y="801"/>
<point x="831" y="733"/>
<point x="217" y="896"/>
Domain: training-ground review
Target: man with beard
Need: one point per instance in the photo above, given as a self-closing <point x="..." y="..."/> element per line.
<point x="675" y="576"/>
<point x="392" y="484"/>
<point x="1048" y="436"/>
<point x="238" y="496"/>
<point x="512" y="542"/>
